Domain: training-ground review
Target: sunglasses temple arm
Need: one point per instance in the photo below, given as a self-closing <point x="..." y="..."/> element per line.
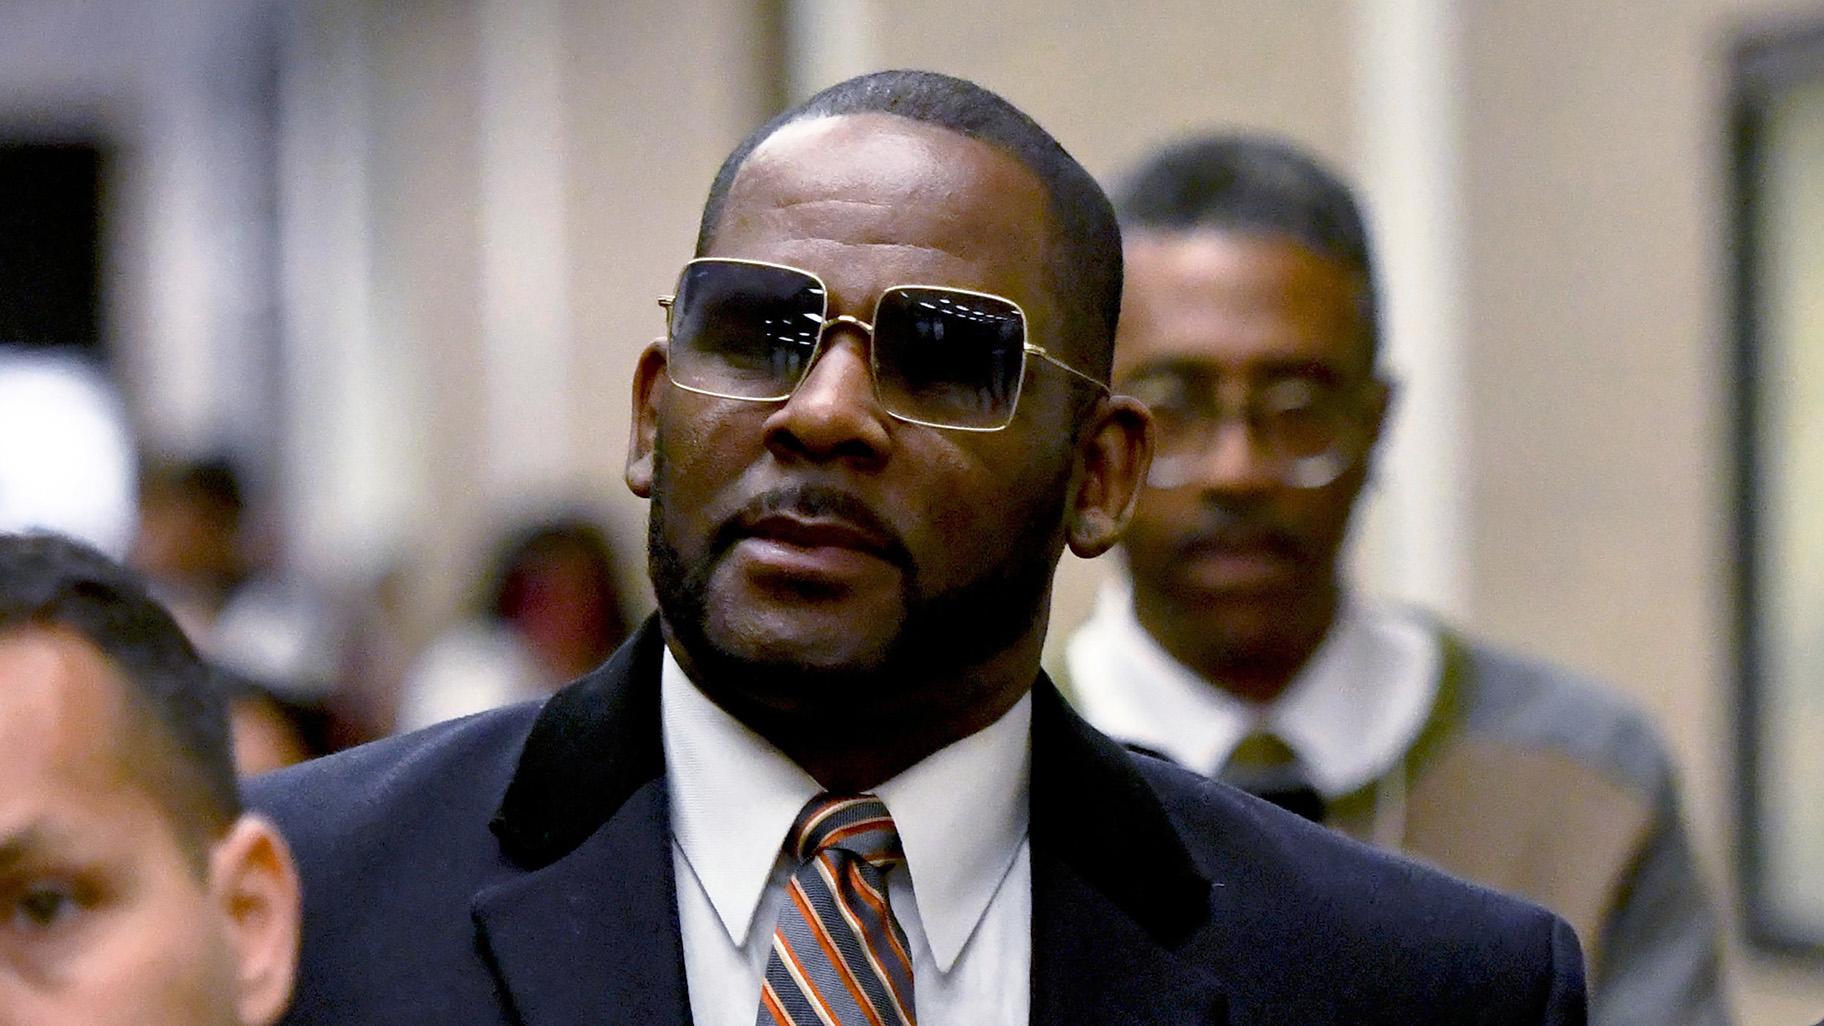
<point x="1040" y="352"/>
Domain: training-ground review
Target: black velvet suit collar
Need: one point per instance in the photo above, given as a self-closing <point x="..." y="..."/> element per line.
<point x="594" y="743"/>
<point x="598" y="741"/>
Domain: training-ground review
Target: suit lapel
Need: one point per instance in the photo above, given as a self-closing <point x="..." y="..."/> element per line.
<point x="589" y="933"/>
<point x="593" y="937"/>
<point x="1115" y="894"/>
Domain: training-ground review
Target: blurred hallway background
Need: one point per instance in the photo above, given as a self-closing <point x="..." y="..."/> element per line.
<point x="395" y="258"/>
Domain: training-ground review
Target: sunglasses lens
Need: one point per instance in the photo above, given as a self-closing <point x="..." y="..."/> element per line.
<point x="948" y="357"/>
<point x="744" y="330"/>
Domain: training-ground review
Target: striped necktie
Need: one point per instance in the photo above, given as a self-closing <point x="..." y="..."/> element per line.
<point x="839" y="957"/>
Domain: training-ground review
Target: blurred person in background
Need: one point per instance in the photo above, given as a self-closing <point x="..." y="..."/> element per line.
<point x="270" y="732"/>
<point x="190" y="542"/>
<point x="67" y="458"/>
<point x="549" y="611"/>
<point x="197" y="547"/>
<point x="1249" y="327"/>
<point x="133" y="889"/>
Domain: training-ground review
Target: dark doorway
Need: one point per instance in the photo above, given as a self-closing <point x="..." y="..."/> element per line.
<point x="50" y="245"/>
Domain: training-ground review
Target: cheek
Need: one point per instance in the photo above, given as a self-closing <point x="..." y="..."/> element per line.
<point x="1322" y="515"/>
<point x="969" y="513"/>
<point x="161" y="964"/>
<point x="699" y="452"/>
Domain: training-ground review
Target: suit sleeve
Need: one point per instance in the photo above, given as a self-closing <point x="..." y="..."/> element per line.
<point x="1661" y="956"/>
<point x="1565" y="1001"/>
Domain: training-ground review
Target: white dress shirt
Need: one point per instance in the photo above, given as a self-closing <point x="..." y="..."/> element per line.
<point x="1349" y="715"/>
<point x="964" y="895"/>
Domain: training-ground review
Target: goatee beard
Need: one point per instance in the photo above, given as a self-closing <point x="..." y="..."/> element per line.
<point x="940" y="637"/>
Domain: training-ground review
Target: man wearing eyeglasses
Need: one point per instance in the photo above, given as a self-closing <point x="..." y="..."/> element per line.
<point x="1249" y="328"/>
<point x="828" y="784"/>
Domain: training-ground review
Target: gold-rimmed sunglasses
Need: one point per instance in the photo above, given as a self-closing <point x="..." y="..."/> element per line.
<point x="941" y="357"/>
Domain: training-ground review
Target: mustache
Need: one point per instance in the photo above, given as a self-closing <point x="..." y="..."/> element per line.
<point x="812" y="502"/>
<point x="1229" y="527"/>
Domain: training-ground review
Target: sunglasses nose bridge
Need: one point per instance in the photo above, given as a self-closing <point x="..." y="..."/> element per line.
<point x="849" y="320"/>
<point x="837" y="323"/>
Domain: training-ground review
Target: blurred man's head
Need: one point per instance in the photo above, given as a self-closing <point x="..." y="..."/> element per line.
<point x="132" y="888"/>
<point x="555" y="583"/>
<point x="861" y="491"/>
<point x="189" y="540"/>
<point x="1249" y="327"/>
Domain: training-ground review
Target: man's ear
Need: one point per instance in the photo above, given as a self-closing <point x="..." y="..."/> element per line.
<point x="1382" y="394"/>
<point x="648" y="378"/>
<point x="1377" y="408"/>
<point x="1113" y="456"/>
<point x="255" y="887"/>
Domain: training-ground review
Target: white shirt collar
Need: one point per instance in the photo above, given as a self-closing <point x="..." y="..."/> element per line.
<point x="1350" y="714"/>
<point x="962" y="812"/>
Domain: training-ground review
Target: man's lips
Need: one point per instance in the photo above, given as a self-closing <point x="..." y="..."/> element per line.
<point x="824" y="551"/>
<point x="818" y="533"/>
<point x="1236" y="564"/>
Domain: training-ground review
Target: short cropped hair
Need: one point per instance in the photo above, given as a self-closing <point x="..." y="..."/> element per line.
<point x="50" y="582"/>
<point x="1083" y="258"/>
<point x="1254" y="185"/>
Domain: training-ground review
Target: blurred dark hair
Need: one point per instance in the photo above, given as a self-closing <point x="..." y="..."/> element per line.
<point x="51" y="582"/>
<point x="1254" y="185"/>
<point x="1083" y="264"/>
<point x="211" y="481"/>
<point x="504" y="589"/>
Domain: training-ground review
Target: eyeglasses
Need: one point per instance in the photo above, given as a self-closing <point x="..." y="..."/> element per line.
<point x="1308" y="431"/>
<point x="940" y="357"/>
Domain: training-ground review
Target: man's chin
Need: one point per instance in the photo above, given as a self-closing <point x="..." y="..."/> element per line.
<point x="761" y="636"/>
<point x="761" y="671"/>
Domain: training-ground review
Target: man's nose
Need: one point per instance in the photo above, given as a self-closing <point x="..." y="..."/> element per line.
<point x="1235" y="459"/>
<point x="835" y="412"/>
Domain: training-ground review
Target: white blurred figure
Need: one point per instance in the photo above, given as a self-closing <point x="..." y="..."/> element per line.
<point x="66" y="453"/>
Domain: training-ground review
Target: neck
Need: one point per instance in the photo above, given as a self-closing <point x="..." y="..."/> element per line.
<point x="886" y="750"/>
<point x="1255" y="661"/>
<point x="850" y="747"/>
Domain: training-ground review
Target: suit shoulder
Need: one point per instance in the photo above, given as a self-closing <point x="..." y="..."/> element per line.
<point x="1530" y="703"/>
<point x="452" y="770"/>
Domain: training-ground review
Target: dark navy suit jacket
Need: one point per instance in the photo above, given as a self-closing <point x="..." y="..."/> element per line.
<point x="515" y="867"/>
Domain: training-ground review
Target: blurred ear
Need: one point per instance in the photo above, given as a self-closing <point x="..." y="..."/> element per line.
<point x="1113" y="456"/>
<point x="648" y="379"/>
<point x="1378" y="406"/>
<point x="255" y="887"/>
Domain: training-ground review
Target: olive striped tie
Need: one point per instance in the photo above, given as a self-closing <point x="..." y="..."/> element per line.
<point x="839" y="957"/>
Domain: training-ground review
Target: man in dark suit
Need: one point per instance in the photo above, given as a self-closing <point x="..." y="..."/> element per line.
<point x="828" y="783"/>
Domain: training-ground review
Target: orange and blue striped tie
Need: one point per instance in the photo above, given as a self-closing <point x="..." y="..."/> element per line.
<point x="839" y="957"/>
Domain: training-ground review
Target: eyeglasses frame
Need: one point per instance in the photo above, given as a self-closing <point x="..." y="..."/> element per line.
<point x="1351" y="446"/>
<point x="1027" y="345"/>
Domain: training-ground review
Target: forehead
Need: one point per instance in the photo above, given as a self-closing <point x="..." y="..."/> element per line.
<point x="872" y="200"/>
<point x="61" y="710"/>
<point x="1243" y="302"/>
